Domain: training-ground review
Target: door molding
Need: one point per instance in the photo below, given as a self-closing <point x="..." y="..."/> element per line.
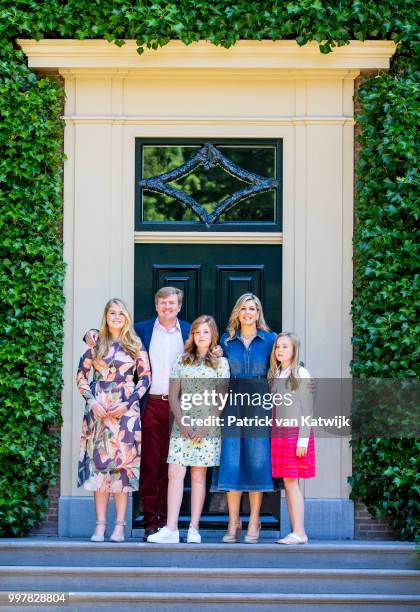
<point x="208" y="238"/>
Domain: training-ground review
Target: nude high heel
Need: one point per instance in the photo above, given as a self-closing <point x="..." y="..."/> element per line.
<point x="231" y="538"/>
<point x="252" y="539"/>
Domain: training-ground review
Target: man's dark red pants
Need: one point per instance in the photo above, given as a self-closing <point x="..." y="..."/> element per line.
<point x="155" y="425"/>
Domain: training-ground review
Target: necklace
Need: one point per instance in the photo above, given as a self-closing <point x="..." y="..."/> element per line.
<point x="112" y="369"/>
<point x="248" y="339"/>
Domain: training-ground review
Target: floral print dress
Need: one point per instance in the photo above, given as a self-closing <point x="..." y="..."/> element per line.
<point x="109" y="458"/>
<point x="196" y="379"/>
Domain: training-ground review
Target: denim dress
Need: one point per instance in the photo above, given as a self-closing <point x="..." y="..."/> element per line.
<point x="245" y="463"/>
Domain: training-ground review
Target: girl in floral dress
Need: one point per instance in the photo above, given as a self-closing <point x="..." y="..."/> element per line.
<point x="109" y="459"/>
<point x="193" y="443"/>
<point x="292" y="448"/>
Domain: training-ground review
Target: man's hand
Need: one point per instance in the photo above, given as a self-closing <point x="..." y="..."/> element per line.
<point x="301" y="451"/>
<point x="218" y="351"/>
<point x="91" y="338"/>
<point x="98" y="410"/>
<point x="118" y="411"/>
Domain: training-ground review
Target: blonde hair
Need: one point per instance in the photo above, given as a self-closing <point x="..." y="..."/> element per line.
<point x="234" y="324"/>
<point x="165" y="292"/>
<point x="191" y="355"/>
<point x="128" y="340"/>
<point x="275" y="367"/>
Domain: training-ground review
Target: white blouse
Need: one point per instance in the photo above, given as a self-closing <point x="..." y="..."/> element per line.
<point x="305" y="399"/>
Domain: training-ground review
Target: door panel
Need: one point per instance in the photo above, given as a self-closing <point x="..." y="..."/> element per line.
<point x="186" y="278"/>
<point x="232" y="282"/>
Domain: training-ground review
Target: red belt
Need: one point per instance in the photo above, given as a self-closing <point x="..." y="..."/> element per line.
<point x="163" y="397"/>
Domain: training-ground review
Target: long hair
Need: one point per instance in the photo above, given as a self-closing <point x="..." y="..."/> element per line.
<point x="234" y="325"/>
<point x="191" y="355"/>
<point x="275" y="366"/>
<point x="128" y="340"/>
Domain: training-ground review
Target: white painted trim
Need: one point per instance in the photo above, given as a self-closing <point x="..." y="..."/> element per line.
<point x="221" y="74"/>
<point x="246" y="54"/>
<point x="142" y="120"/>
<point x="208" y="238"/>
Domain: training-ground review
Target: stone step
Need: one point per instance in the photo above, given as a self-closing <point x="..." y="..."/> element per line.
<point x="248" y="602"/>
<point x="316" y="555"/>
<point x="211" y="580"/>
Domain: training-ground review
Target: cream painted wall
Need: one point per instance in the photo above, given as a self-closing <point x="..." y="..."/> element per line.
<point x="253" y="90"/>
<point x="104" y="115"/>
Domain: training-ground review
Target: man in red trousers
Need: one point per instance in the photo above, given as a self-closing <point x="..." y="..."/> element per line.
<point x="163" y="337"/>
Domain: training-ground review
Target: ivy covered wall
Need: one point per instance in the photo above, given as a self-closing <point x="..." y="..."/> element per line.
<point x="31" y="296"/>
<point x="386" y="338"/>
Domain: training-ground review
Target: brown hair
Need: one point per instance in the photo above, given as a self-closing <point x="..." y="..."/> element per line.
<point x="275" y="366"/>
<point x="191" y="356"/>
<point x="165" y="292"/>
<point x="128" y="340"/>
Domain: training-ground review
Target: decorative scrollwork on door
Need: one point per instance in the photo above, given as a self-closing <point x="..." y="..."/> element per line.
<point x="209" y="157"/>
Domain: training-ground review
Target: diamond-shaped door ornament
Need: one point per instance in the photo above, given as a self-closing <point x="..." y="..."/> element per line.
<point x="209" y="157"/>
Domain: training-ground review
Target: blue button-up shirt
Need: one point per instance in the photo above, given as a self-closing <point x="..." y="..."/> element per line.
<point x="251" y="362"/>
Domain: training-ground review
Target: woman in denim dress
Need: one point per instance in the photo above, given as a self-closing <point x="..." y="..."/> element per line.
<point x="245" y="463"/>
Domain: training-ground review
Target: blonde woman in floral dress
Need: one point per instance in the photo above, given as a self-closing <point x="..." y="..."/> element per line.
<point x="109" y="460"/>
<point x="192" y="443"/>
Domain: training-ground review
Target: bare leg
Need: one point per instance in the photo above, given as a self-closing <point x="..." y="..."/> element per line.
<point x="295" y="505"/>
<point x="234" y="503"/>
<point x="176" y="475"/>
<point x="120" y="503"/>
<point x="255" y="500"/>
<point x="198" y="493"/>
<point x="101" y="506"/>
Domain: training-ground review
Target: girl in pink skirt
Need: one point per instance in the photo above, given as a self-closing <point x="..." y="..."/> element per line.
<point x="292" y="442"/>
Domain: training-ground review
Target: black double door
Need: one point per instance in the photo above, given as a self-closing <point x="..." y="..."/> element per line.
<point x="212" y="277"/>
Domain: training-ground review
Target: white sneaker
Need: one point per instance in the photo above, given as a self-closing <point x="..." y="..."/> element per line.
<point x="193" y="536"/>
<point x="165" y="536"/>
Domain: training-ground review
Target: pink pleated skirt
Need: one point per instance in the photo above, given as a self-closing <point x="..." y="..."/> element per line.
<point x="284" y="462"/>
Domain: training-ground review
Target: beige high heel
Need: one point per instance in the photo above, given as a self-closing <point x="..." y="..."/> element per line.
<point x="252" y="539"/>
<point x="231" y="538"/>
<point x="118" y="538"/>
<point x="97" y="537"/>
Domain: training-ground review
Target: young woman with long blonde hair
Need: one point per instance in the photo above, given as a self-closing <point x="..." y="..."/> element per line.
<point x="109" y="460"/>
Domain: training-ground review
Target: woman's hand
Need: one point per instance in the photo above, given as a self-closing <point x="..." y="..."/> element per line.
<point x="98" y="410"/>
<point x="200" y="433"/>
<point x="118" y="411"/>
<point x="301" y="451"/>
<point x="186" y="432"/>
<point x="91" y="338"/>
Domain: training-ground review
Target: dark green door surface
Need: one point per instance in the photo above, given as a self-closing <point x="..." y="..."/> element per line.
<point x="212" y="277"/>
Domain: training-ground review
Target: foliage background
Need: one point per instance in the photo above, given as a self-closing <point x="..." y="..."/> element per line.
<point x="386" y="337"/>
